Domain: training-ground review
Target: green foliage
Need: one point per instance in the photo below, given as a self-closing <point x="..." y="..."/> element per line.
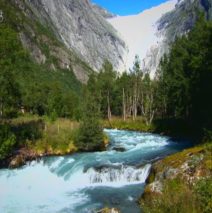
<point x="57" y="138"/>
<point x="177" y="197"/>
<point x="203" y="191"/>
<point x="90" y="135"/>
<point x="185" y="77"/>
<point x="108" y="87"/>
<point x="7" y="141"/>
<point x="136" y="125"/>
<point x="38" y="90"/>
<point x="28" y="131"/>
<point x="106" y="80"/>
<point x="189" y="191"/>
<point x="9" y="89"/>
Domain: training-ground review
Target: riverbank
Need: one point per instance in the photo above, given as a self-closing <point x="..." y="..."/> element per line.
<point x="181" y="182"/>
<point x="37" y="137"/>
<point x="128" y="124"/>
<point x="177" y="129"/>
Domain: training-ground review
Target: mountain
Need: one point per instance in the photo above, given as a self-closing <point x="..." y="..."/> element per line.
<point x="40" y="39"/>
<point x="82" y="27"/>
<point x="150" y="33"/>
<point x="106" y="14"/>
<point x="79" y="35"/>
<point x="65" y="34"/>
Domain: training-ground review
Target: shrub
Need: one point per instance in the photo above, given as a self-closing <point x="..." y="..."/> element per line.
<point x="203" y="190"/>
<point x="90" y="136"/>
<point x="7" y="141"/>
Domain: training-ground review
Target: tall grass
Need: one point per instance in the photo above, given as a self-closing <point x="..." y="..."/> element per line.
<point x="58" y="138"/>
<point x="136" y="125"/>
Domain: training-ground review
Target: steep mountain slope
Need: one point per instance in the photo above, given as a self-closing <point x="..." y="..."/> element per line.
<point x="65" y="34"/>
<point x="81" y="26"/>
<point x="150" y="33"/>
<point x="39" y="39"/>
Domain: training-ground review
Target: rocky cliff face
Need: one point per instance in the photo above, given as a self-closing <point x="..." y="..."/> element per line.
<point x="81" y="26"/>
<point x="175" y="24"/>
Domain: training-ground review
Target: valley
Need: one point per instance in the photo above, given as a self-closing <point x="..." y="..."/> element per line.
<point x="105" y="113"/>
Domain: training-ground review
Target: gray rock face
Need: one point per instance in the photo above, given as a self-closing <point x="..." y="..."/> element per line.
<point x="35" y="52"/>
<point x="175" y="24"/>
<point x="106" y="14"/>
<point x="183" y="18"/>
<point x="82" y="28"/>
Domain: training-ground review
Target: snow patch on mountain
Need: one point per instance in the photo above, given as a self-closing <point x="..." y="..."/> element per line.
<point x="142" y="36"/>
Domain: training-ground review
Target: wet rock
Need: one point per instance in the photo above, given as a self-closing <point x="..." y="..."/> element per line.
<point x="107" y="210"/>
<point x="17" y="162"/>
<point x="119" y="149"/>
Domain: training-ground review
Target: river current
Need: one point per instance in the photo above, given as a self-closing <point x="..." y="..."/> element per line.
<point x="85" y="182"/>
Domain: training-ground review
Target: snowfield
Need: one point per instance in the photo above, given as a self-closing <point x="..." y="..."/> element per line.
<point x="141" y="34"/>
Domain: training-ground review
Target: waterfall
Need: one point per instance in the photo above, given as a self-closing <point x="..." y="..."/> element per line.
<point x="122" y="175"/>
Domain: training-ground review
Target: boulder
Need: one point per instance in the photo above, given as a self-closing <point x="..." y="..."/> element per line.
<point x="108" y="210"/>
<point x="17" y="161"/>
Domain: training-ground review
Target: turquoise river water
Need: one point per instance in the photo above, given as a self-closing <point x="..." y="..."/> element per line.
<point x="83" y="183"/>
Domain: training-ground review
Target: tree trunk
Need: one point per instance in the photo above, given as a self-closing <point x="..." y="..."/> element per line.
<point x="124" y="106"/>
<point x="135" y="105"/>
<point x="108" y="106"/>
<point x="1" y="110"/>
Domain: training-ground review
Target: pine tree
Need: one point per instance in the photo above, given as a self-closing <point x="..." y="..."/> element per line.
<point x="90" y="137"/>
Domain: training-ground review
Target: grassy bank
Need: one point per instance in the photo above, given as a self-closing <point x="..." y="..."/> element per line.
<point x="58" y="138"/>
<point x="181" y="182"/>
<point x="128" y="124"/>
<point x="28" y="137"/>
<point x="176" y="128"/>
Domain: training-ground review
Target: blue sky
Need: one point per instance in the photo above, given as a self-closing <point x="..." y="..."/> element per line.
<point x="127" y="7"/>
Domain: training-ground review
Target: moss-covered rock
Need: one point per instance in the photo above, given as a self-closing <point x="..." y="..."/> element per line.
<point x="173" y="180"/>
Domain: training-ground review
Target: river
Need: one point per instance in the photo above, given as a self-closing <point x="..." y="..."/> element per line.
<point x="82" y="183"/>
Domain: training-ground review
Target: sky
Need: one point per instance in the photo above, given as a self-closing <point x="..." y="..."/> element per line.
<point x="127" y="7"/>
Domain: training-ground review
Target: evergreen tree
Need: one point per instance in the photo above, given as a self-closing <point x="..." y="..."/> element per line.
<point x="185" y="77"/>
<point x="9" y="94"/>
<point x="90" y="137"/>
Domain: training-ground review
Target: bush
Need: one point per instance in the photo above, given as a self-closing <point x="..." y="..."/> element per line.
<point x="203" y="190"/>
<point x="7" y="141"/>
<point x="31" y="130"/>
<point x="90" y="136"/>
